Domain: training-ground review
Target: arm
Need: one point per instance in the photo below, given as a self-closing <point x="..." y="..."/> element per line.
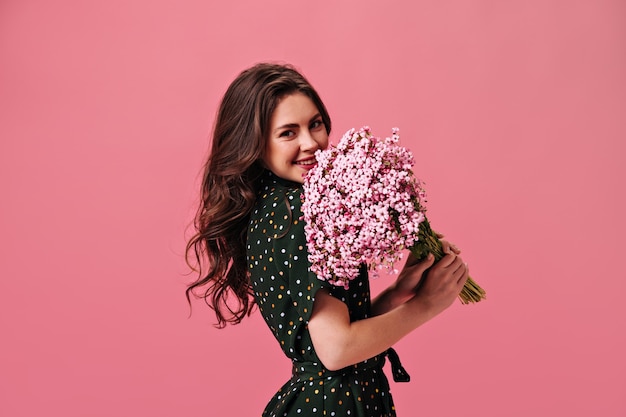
<point x="340" y="343"/>
<point x="403" y="289"/>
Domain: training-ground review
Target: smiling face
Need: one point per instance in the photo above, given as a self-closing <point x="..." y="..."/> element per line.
<point x="296" y="132"/>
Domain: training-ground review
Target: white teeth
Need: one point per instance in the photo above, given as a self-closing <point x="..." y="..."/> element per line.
<point x="307" y="162"/>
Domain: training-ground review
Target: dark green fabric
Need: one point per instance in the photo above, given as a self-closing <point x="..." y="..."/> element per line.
<point x="284" y="289"/>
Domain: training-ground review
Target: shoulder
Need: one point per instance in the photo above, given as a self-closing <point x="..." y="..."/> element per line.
<point x="278" y="207"/>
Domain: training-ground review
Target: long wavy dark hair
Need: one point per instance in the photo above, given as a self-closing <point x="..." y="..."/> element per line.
<point x="217" y="250"/>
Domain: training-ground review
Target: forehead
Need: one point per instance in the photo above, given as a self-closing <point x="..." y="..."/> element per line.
<point x="294" y="108"/>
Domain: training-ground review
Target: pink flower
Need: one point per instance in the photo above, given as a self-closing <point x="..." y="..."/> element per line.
<point x="361" y="204"/>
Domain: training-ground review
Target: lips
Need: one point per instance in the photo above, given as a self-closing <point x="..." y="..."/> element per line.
<point x="306" y="162"/>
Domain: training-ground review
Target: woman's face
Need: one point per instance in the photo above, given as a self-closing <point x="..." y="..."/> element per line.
<point x="296" y="132"/>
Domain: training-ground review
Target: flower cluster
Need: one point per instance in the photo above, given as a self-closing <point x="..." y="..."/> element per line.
<point x="361" y="204"/>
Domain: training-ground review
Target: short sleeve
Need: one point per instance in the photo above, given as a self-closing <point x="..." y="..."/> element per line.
<point x="284" y="286"/>
<point x="292" y="256"/>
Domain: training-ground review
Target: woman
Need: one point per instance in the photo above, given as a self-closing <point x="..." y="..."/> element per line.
<point x="250" y="244"/>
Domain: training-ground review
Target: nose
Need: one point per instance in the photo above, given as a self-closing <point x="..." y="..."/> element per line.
<point x="307" y="141"/>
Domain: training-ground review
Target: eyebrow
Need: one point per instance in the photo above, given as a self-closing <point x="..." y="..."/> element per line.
<point x="295" y="125"/>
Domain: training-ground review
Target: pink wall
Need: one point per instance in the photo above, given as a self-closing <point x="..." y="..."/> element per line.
<point x="515" y="111"/>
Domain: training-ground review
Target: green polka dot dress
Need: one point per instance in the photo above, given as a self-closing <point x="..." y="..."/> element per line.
<point x="284" y="289"/>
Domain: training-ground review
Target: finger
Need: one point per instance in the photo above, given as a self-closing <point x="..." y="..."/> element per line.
<point x="462" y="274"/>
<point x="464" y="277"/>
<point x="456" y="266"/>
<point x="447" y="260"/>
<point x="446" y="246"/>
<point x="449" y="247"/>
<point x="426" y="263"/>
<point x="439" y="235"/>
<point x="419" y="266"/>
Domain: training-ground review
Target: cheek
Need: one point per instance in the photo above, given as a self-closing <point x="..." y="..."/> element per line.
<point x="272" y="153"/>
<point x="278" y="152"/>
<point x="323" y="140"/>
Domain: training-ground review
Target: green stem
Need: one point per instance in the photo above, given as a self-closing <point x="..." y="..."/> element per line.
<point x="428" y="242"/>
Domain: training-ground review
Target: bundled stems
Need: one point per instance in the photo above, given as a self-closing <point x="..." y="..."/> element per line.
<point x="428" y="242"/>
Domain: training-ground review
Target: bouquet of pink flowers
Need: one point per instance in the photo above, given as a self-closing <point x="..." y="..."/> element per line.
<point x="362" y="204"/>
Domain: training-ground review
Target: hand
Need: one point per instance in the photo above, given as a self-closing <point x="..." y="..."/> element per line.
<point x="410" y="277"/>
<point x="447" y="246"/>
<point x="443" y="283"/>
<point x="413" y="270"/>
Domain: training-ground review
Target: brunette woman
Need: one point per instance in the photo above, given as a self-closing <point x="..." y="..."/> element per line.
<point x="250" y="248"/>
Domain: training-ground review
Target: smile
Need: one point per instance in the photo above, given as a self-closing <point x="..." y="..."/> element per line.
<point x="306" y="162"/>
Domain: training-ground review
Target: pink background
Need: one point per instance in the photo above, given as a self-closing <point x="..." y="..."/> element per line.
<point x="514" y="110"/>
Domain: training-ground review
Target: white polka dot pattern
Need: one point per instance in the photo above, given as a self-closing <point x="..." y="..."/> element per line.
<point x="284" y="289"/>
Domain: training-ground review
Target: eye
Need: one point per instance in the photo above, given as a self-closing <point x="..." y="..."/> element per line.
<point x="286" y="134"/>
<point x="317" y="123"/>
